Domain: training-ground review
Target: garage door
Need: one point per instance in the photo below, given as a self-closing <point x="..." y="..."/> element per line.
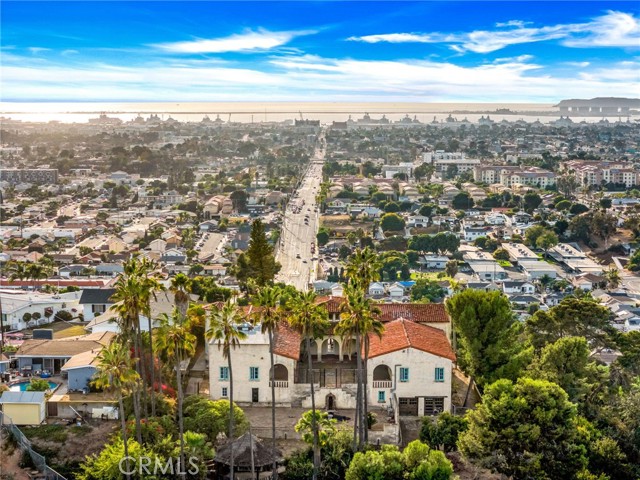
<point x="408" y="406"/>
<point x="433" y="405"/>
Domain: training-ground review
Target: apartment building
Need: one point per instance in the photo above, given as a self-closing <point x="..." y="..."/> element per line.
<point x="595" y="173"/>
<point x="40" y="176"/>
<point x="509" y="175"/>
<point x="442" y="160"/>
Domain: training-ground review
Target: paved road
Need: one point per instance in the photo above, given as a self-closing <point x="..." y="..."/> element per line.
<point x="212" y="245"/>
<point x="299" y="230"/>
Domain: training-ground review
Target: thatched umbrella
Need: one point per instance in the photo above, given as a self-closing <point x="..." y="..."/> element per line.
<point x="263" y="455"/>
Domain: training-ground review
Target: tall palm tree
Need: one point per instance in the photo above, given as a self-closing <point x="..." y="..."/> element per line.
<point x="129" y="304"/>
<point x="150" y="287"/>
<point x="177" y="342"/>
<point x="310" y="320"/>
<point x="224" y="329"/>
<point x="180" y="287"/>
<point x="268" y="300"/>
<point x="115" y="372"/>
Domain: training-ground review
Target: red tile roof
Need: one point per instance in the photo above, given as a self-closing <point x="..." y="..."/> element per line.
<point x="400" y="334"/>
<point x="287" y="342"/>
<point x="416" y="312"/>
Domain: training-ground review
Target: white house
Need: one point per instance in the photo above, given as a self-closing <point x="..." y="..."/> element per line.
<point x="396" y="291"/>
<point x="376" y="289"/>
<point x="511" y="288"/>
<point x="409" y="368"/>
<point x="433" y="261"/>
<point x="21" y="309"/>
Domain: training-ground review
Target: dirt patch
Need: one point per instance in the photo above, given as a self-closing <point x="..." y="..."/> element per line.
<point x="80" y="442"/>
<point x="10" y="460"/>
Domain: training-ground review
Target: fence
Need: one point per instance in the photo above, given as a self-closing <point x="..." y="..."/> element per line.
<point x="25" y="445"/>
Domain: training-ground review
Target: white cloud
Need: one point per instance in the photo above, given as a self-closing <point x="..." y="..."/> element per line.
<point x="308" y="77"/>
<point x="614" y="29"/>
<point x="244" y="42"/>
<point x="398" y="38"/>
<point x="37" y="50"/>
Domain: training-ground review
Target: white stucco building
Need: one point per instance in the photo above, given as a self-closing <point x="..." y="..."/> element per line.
<point x="409" y="369"/>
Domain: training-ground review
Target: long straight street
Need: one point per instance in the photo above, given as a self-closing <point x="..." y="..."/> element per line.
<point x="299" y="228"/>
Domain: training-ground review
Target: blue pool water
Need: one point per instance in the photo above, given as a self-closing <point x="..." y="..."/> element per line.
<point x="22" y="386"/>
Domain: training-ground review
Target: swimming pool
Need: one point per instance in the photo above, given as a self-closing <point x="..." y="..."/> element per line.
<point x="22" y="386"/>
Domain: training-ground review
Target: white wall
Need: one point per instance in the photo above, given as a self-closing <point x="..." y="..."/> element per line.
<point x="421" y="382"/>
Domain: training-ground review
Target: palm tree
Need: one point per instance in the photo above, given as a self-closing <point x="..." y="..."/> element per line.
<point x="613" y="277"/>
<point x="180" y="287"/>
<point x="363" y="267"/>
<point x="115" y="372"/>
<point x="310" y="320"/>
<point x="357" y="321"/>
<point x="150" y="287"/>
<point x="268" y="300"/>
<point x="37" y="271"/>
<point x="129" y="299"/>
<point x="177" y="342"/>
<point x="18" y="271"/>
<point x="224" y="329"/>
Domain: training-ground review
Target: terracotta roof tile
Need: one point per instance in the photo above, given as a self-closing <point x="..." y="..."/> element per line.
<point x="416" y="312"/>
<point x="402" y="333"/>
<point x="287" y="342"/>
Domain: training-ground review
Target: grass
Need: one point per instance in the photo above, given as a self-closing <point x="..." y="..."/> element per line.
<point x="505" y="263"/>
<point x="435" y="276"/>
<point x="80" y="431"/>
<point x="53" y="433"/>
<point x="72" y="331"/>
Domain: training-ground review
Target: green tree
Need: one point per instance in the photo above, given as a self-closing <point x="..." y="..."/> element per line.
<point x="115" y="372"/>
<point x="486" y="334"/>
<point x="310" y="320"/>
<point x="443" y="431"/>
<point x="501" y="254"/>
<point x="531" y="201"/>
<point x="525" y="430"/>
<point x="546" y="241"/>
<point x="322" y="237"/>
<point x="416" y="462"/>
<point x="176" y="341"/>
<point x="260" y="258"/>
<point x="567" y="363"/>
<point x="533" y="233"/>
<point x="38" y="385"/>
<point x="462" y="201"/>
<point x="392" y="222"/>
<point x="268" y="302"/>
<point x="224" y="329"/>
<point x="325" y="426"/>
<point x="107" y="465"/>
<point x="425" y="289"/>
<point x="573" y="317"/>
<point x="578" y="208"/>
<point x="451" y="268"/>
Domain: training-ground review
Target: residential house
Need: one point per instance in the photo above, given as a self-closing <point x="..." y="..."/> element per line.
<point x="51" y="355"/>
<point x="95" y="302"/>
<point x="511" y="288"/>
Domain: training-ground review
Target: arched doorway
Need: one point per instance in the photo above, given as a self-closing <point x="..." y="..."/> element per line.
<point x="330" y="402"/>
<point x="280" y="376"/>
<point x="330" y="349"/>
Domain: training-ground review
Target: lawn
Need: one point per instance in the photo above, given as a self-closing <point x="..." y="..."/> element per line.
<point x="70" y="331"/>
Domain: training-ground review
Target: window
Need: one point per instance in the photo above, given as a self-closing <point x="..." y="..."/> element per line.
<point x="254" y="374"/>
<point x="439" y="374"/>
<point x="225" y="392"/>
<point x="404" y="374"/>
<point x="224" y="373"/>
<point x="381" y="396"/>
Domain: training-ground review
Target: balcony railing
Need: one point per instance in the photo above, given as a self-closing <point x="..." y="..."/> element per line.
<point x="280" y="384"/>
<point x="382" y="384"/>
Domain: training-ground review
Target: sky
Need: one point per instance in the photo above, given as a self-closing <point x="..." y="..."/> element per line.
<point x="420" y="51"/>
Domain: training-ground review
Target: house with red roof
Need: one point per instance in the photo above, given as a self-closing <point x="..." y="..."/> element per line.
<point x="409" y="368"/>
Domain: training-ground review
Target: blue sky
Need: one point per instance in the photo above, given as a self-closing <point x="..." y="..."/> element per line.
<point x="319" y="51"/>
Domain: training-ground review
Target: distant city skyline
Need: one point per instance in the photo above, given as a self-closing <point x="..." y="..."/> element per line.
<point x="334" y="51"/>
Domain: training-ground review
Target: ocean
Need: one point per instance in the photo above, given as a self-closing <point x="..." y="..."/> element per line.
<point x="247" y="112"/>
